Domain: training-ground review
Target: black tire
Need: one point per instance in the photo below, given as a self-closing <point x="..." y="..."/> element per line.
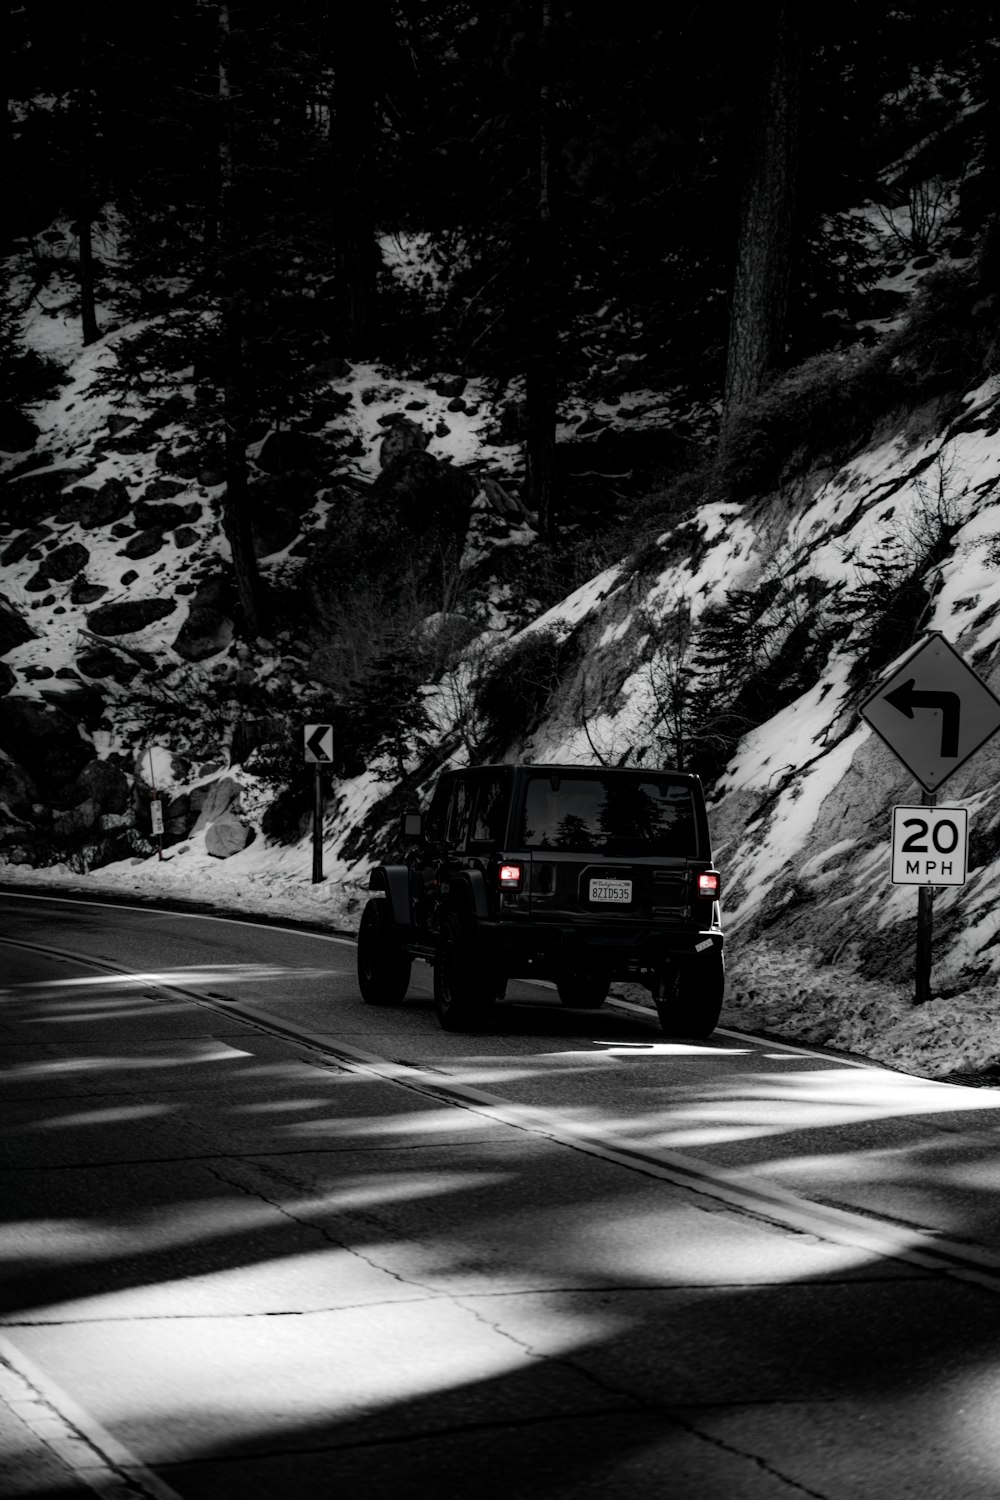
<point x="583" y="989"/>
<point x="692" y="996"/>
<point x="383" y="967"/>
<point x="465" y="988"/>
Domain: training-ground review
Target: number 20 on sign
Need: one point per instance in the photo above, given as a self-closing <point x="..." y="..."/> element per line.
<point x="929" y="845"/>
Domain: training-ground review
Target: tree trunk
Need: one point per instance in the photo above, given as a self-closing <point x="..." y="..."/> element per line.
<point x="85" y="196"/>
<point x="759" y="310"/>
<point x="235" y="505"/>
<point x="354" y="135"/>
<point x="541" y="384"/>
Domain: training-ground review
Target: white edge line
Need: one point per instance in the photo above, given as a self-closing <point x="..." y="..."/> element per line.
<point x="111" y="1459"/>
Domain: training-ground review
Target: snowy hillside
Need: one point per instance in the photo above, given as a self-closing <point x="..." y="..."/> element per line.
<point x="821" y="944"/>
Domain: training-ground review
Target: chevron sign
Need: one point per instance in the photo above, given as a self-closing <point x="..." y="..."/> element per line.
<point x="319" y="744"/>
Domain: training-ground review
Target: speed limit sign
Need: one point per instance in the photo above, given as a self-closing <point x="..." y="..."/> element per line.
<point x="929" y="845"/>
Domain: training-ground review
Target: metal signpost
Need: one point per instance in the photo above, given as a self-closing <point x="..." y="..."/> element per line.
<point x="934" y="713"/>
<point x="318" y="745"/>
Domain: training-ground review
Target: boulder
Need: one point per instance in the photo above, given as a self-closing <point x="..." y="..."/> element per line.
<point x="206" y="631"/>
<point x="283" y="452"/>
<point x="8" y="679"/>
<point x="96" y="508"/>
<point x="184" y="537"/>
<point x="18" y="792"/>
<point x="163" y="489"/>
<point x="123" y="616"/>
<point x="210" y="801"/>
<point x="143" y="544"/>
<point x="273" y="530"/>
<point x="44" y="737"/>
<point x="19" y="548"/>
<point x="65" y="562"/>
<point x="176" y="818"/>
<point x="451" y="385"/>
<point x="425" y="493"/>
<point x="85" y="592"/>
<point x="14" y="629"/>
<point x="403" y="438"/>
<point x="227" y="836"/>
<point x="103" y="782"/>
<point x="165" y="514"/>
<point x="76" y="820"/>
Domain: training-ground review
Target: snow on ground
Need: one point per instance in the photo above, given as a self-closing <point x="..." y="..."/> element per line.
<point x="774" y="808"/>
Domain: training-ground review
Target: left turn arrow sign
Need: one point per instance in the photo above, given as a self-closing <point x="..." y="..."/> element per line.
<point x="319" y="743"/>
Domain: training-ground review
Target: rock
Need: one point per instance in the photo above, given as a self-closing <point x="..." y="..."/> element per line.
<point x="117" y="424"/>
<point x="143" y="544"/>
<point x="35" y="673"/>
<point x="65" y="562"/>
<point x="19" y="548"/>
<point x="176" y="818"/>
<point x="456" y="404"/>
<point x="273" y="530"/>
<point x="206" y="631"/>
<point x="227" y="836"/>
<point x="37" y="583"/>
<point x="17" y="432"/>
<point x="425" y="493"/>
<point x="96" y="508"/>
<point x="104" y="783"/>
<point x="38" y="493"/>
<point x="212" y="799"/>
<point x="129" y="576"/>
<point x="283" y="452"/>
<point x="164" y="514"/>
<point x="14" y="628"/>
<point x="403" y="437"/>
<point x="44" y="737"/>
<point x="451" y="385"/>
<point x="333" y="369"/>
<point x="8" y="679"/>
<point x="18" y="793"/>
<point x="185" y="536"/>
<point x="163" y="489"/>
<point x="100" y="662"/>
<point x="84" y="592"/>
<point x="123" y="616"/>
<point x="76" y="820"/>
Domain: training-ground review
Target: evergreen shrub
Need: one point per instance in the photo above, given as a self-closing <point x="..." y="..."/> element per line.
<point x="515" y="691"/>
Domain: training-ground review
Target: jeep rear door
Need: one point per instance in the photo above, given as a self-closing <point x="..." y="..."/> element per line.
<point x="610" y="844"/>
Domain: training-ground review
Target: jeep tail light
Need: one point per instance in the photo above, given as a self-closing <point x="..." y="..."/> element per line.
<point x="708" y="885"/>
<point x="510" y="877"/>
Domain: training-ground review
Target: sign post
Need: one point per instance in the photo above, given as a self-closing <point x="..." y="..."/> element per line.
<point x="934" y="713"/>
<point x="318" y="746"/>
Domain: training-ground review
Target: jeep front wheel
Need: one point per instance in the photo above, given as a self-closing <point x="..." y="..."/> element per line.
<point x="465" y="988"/>
<point x="383" y="967"/>
<point x="691" y="993"/>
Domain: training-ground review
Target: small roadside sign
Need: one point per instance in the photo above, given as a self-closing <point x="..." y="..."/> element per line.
<point x="319" y="744"/>
<point x="930" y="845"/>
<point x="934" y="712"/>
<point x="156" y="815"/>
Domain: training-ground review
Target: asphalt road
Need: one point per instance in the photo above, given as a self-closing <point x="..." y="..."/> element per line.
<point x="259" y="1240"/>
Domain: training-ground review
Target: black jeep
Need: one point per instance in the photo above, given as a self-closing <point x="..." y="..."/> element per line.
<point x="574" y="874"/>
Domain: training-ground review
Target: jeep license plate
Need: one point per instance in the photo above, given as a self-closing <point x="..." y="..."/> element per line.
<point x="616" y="892"/>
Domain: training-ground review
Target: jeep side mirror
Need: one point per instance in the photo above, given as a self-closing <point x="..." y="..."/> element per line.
<point x="413" y="825"/>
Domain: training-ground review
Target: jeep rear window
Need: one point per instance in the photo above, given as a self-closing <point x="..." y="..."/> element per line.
<point x="613" y="814"/>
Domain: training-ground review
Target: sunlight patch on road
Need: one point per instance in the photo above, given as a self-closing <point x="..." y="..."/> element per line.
<point x="193" y="974"/>
<point x="116" y="1115"/>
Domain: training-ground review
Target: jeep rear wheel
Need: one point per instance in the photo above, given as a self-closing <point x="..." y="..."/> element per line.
<point x="465" y="988"/>
<point x="692" y="992"/>
<point x="584" y="989"/>
<point x="383" y="967"/>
